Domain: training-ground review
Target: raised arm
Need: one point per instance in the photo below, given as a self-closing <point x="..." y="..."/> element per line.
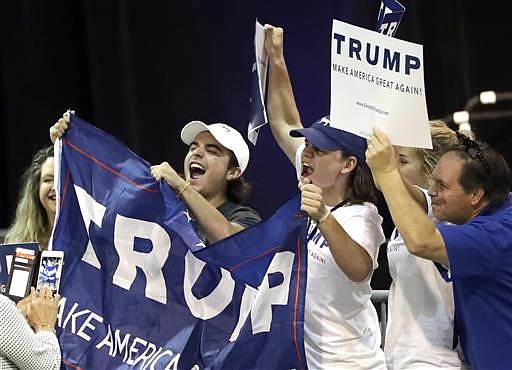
<point x="419" y="233"/>
<point x="416" y="194"/>
<point x="412" y="189"/>
<point x="281" y="108"/>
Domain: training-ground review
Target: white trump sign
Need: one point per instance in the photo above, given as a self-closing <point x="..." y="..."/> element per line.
<point x="377" y="80"/>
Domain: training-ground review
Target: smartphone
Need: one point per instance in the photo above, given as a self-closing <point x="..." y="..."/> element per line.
<point x="20" y="273"/>
<point x="50" y="270"/>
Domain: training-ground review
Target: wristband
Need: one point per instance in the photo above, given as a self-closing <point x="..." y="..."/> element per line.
<point x="183" y="188"/>
<point x="323" y="218"/>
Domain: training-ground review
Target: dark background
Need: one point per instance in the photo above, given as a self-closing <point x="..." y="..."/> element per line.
<point x="141" y="70"/>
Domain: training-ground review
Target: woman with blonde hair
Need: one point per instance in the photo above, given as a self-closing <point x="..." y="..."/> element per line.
<point x="35" y="213"/>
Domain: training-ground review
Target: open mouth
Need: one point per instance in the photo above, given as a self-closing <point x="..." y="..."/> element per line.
<point x="52" y="197"/>
<point x="196" y="170"/>
<point x="306" y="169"/>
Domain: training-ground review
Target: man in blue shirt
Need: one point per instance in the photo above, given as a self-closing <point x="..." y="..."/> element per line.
<point x="471" y="189"/>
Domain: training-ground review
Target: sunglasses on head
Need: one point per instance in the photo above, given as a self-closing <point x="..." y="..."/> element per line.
<point x="474" y="150"/>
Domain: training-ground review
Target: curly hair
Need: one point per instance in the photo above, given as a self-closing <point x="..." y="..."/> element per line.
<point x="31" y="223"/>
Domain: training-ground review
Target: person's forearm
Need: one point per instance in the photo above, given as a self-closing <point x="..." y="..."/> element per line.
<point x="280" y="100"/>
<point x="213" y="224"/>
<point x="416" y="228"/>
<point x="281" y="107"/>
<point x="417" y="194"/>
<point x="351" y="258"/>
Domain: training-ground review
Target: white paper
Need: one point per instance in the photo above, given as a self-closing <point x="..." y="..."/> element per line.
<point x="261" y="65"/>
<point x="384" y="87"/>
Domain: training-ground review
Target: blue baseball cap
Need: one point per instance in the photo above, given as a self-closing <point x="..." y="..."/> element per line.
<point x="325" y="137"/>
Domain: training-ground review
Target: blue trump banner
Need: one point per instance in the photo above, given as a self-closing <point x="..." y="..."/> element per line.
<point x="390" y="15"/>
<point x="140" y="290"/>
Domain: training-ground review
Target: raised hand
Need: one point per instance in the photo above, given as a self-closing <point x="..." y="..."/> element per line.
<point x="312" y="200"/>
<point x="164" y="171"/>
<point x="380" y="154"/>
<point x="273" y="41"/>
<point x="59" y="128"/>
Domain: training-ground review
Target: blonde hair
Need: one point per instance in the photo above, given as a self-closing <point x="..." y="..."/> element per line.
<point x="31" y="223"/>
<point x="443" y="138"/>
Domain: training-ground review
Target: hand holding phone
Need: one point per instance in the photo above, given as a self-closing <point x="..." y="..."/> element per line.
<point x="42" y="310"/>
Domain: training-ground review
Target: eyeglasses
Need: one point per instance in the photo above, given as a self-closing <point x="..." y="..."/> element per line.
<point x="474" y="150"/>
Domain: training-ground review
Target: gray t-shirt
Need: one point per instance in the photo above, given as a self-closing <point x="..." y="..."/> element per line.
<point x="234" y="212"/>
<point x="237" y="213"/>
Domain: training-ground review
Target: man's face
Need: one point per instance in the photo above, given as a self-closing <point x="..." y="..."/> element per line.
<point x="450" y="202"/>
<point x="206" y="165"/>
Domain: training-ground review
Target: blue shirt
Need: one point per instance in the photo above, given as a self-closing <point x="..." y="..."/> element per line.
<point x="480" y="256"/>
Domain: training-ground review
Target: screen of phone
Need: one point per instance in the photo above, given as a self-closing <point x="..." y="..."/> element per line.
<point x="49" y="273"/>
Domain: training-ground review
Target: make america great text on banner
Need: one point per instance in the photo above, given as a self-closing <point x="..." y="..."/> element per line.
<point x="140" y="291"/>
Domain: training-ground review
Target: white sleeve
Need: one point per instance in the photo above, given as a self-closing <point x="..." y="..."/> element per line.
<point x="428" y="199"/>
<point x="21" y="346"/>
<point x="364" y="226"/>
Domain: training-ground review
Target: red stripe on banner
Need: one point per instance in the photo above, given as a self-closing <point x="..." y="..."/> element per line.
<point x="253" y="258"/>
<point x="65" y="190"/>
<point x="296" y="304"/>
<point x="109" y="169"/>
<point x="67" y="363"/>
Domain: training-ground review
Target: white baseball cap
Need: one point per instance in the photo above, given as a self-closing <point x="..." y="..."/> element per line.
<point x="226" y="135"/>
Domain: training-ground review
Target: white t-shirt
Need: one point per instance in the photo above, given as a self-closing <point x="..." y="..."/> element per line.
<point x="341" y="328"/>
<point x="419" y="331"/>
